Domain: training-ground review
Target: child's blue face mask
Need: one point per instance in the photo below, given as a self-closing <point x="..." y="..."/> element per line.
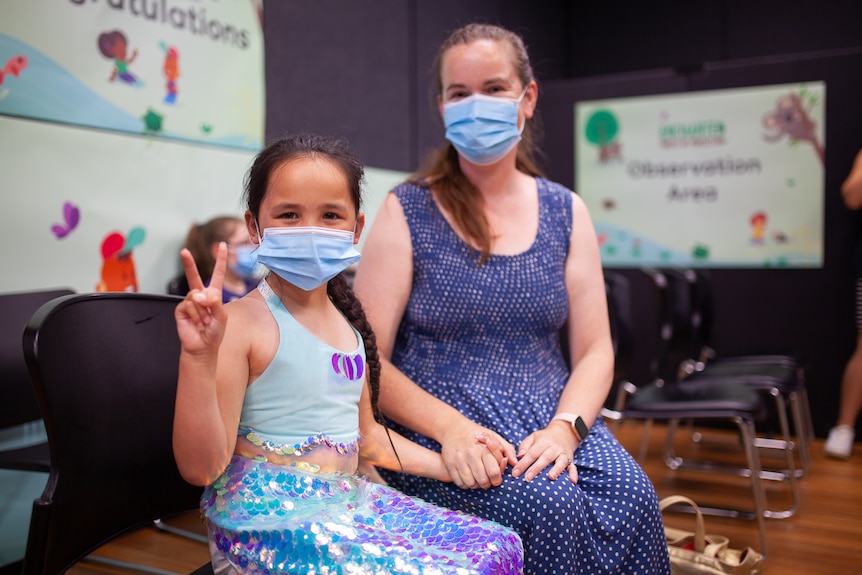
<point x="483" y="128"/>
<point x="307" y="257"/>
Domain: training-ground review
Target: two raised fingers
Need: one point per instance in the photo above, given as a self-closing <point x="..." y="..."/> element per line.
<point x="193" y="276"/>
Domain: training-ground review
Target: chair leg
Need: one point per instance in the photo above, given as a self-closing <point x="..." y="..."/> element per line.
<point x="670" y="458"/>
<point x="786" y="445"/>
<point x="162" y="526"/>
<point x="615" y="416"/>
<point x="126" y="565"/>
<point x="789" y="448"/>
<point x="642" y="450"/>
<point x="804" y="426"/>
<point x="746" y="428"/>
<point x="754" y="472"/>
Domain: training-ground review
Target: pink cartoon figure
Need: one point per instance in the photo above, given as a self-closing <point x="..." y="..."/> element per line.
<point x="114" y="45"/>
<point x="13" y="67"/>
<point x="791" y="119"/>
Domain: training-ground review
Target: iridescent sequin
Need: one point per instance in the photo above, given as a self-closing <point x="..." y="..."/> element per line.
<point x="274" y="519"/>
<point x="321" y="439"/>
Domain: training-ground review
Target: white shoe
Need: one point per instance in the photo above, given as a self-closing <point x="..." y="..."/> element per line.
<point x="839" y="444"/>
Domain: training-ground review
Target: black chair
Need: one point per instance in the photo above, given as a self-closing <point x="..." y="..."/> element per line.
<point x="104" y="367"/>
<point x="770" y="380"/>
<point x="618" y="292"/>
<point x="19" y="406"/>
<point x="778" y="376"/>
<point x="664" y="399"/>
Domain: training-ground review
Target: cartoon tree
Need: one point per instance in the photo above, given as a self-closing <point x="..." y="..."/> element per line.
<point x="601" y="130"/>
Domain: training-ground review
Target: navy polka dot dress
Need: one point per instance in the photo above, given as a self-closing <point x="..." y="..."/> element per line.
<point x="484" y="339"/>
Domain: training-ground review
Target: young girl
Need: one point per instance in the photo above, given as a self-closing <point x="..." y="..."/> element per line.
<point x="277" y="392"/>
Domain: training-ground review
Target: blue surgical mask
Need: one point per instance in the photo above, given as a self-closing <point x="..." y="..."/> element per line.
<point x="247" y="267"/>
<point x="307" y="257"/>
<point x="483" y="128"/>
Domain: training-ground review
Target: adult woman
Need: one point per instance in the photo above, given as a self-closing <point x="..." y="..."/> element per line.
<point x="469" y="272"/>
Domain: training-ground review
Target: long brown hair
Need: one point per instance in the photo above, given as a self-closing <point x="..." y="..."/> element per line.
<point x="456" y="194"/>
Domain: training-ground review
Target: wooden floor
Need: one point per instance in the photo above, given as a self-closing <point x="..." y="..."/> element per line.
<point x="823" y="537"/>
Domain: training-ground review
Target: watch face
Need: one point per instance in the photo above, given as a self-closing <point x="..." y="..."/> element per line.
<point x="580" y="427"/>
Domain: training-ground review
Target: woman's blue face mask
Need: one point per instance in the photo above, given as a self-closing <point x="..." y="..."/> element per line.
<point x="307" y="257"/>
<point x="483" y="128"/>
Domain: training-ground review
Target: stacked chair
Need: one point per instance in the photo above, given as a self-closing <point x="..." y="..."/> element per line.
<point x="104" y="368"/>
<point x="781" y="378"/>
<point x="778" y="379"/>
<point x="664" y="397"/>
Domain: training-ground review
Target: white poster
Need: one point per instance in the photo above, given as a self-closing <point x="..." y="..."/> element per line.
<point x="189" y="70"/>
<point x="724" y="178"/>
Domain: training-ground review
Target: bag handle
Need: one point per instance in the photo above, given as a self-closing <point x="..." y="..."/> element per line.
<point x="700" y="528"/>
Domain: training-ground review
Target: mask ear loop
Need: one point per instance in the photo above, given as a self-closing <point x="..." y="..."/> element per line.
<point x="521" y="97"/>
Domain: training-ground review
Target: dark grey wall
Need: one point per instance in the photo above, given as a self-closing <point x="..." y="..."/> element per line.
<point x="359" y="68"/>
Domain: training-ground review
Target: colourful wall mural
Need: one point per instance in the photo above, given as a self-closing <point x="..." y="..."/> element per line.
<point x="188" y="70"/>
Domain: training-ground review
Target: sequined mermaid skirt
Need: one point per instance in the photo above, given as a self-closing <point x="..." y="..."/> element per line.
<point x="270" y="519"/>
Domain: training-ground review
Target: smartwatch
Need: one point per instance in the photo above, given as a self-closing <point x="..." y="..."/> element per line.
<point x="577" y="422"/>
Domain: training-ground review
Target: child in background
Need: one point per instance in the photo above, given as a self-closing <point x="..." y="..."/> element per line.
<point x="277" y="398"/>
<point x="202" y="240"/>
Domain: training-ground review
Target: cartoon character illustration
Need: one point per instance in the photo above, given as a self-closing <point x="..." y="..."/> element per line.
<point x="790" y="118"/>
<point x="152" y="121"/>
<point x="601" y="130"/>
<point x="71" y="217"/>
<point x="758" y="225"/>
<point x="118" y="267"/>
<point x="14" y="66"/>
<point x="171" y="70"/>
<point x="114" y="45"/>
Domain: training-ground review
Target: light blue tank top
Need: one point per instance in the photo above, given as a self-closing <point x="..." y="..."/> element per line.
<point x="308" y="396"/>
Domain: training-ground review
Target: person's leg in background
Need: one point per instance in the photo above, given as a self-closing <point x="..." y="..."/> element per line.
<point x="839" y="444"/>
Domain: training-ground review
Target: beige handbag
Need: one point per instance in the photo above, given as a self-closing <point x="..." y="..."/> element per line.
<point x="699" y="552"/>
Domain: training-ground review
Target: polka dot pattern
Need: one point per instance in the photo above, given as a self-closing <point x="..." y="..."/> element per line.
<point x="484" y="339"/>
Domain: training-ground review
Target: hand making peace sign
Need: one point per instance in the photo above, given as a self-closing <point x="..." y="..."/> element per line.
<point x="200" y="316"/>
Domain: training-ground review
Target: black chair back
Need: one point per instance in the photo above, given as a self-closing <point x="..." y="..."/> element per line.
<point x="19" y="405"/>
<point x="703" y="312"/>
<point x="104" y="367"/>
<point x="19" y="401"/>
<point x="618" y="291"/>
